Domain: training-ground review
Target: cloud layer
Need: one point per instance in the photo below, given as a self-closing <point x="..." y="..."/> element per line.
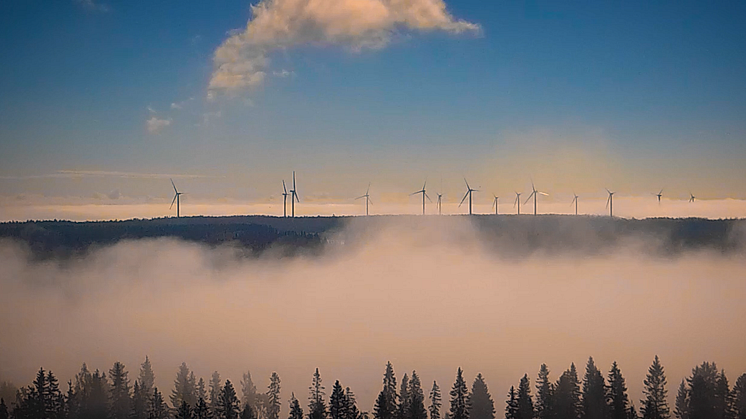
<point x="241" y="62"/>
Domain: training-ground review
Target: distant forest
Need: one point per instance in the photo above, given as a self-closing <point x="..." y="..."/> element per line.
<point x="509" y="234"/>
<point x="706" y="394"/>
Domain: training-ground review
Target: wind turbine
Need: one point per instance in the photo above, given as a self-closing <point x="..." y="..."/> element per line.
<point x="439" y="203"/>
<point x="575" y="201"/>
<point x="177" y="194"/>
<point x="284" y="199"/>
<point x="424" y="195"/>
<point x="610" y="203"/>
<point x="367" y="199"/>
<point x="496" y="203"/>
<point x="293" y="197"/>
<point x="517" y="202"/>
<point x="659" y="195"/>
<point x="692" y="198"/>
<point x="534" y="193"/>
<point x="469" y="191"/>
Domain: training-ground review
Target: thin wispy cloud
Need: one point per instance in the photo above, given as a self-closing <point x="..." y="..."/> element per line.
<point x="283" y="73"/>
<point x="242" y="61"/>
<point x="156" y="125"/>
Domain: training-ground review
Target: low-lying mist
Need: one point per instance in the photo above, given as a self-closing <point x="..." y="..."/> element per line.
<point x="426" y="296"/>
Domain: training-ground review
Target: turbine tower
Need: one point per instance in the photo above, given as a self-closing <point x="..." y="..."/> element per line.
<point x="575" y="201"/>
<point x="610" y="203"/>
<point x="692" y="198"/>
<point x="439" y="203"/>
<point x="534" y="194"/>
<point x="496" y="203"/>
<point x="284" y="199"/>
<point x="293" y="197"/>
<point x="517" y="202"/>
<point x="424" y="195"/>
<point x="659" y="195"/>
<point x="367" y="199"/>
<point x="469" y="191"/>
<point x="177" y="194"/>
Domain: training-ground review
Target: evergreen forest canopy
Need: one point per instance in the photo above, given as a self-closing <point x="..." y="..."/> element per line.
<point x="705" y="394"/>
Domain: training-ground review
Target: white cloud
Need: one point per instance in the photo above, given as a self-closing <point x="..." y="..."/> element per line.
<point x="180" y="105"/>
<point x="241" y="62"/>
<point x="150" y="109"/>
<point x="155" y="125"/>
<point x="283" y="73"/>
<point x="175" y="106"/>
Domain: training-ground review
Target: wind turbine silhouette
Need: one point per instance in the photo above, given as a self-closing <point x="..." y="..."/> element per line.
<point x="367" y="199"/>
<point x="439" y="203"/>
<point x="177" y="194"/>
<point x="293" y="197"/>
<point x="659" y="195"/>
<point x="284" y="199"/>
<point x="496" y="203"/>
<point x="692" y="198"/>
<point x="518" y="202"/>
<point x="424" y="195"/>
<point x="610" y="203"/>
<point x="575" y="201"/>
<point x="469" y="191"/>
<point x="534" y="193"/>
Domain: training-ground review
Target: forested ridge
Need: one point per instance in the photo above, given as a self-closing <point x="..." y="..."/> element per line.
<point x="705" y="394"/>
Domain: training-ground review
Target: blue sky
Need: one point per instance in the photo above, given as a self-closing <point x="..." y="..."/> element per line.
<point x="642" y="93"/>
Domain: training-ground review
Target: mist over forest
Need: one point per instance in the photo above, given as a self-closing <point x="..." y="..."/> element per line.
<point x="496" y="296"/>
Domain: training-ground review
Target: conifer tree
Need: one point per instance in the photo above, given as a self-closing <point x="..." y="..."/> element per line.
<point x="185" y="387"/>
<point x="216" y="387"/>
<point x="184" y="412"/>
<point x="352" y="411"/>
<point x="403" y="407"/>
<point x="139" y="402"/>
<point x="681" y="408"/>
<point x="525" y="404"/>
<point x="482" y="405"/>
<point x="248" y="390"/>
<point x="723" y="400"/>
<point x="739" y="398"/>
<point x="119" y="395"/>
<point x="3" y="409"/>
<point x="201" y="390"/>
<point x="616" y="394"/>
<point x="567" y="404"/>
<point x="338" y="403"/>
<point x="632" y="412"/>
<point x="248" y="412"/>
<point x="147" y="377"/>
<point x="594" y="393"/>
<point x="460" y="400"/>
<point x="228" y="405"/>
<point x="655" y="406"/>
<point x="435" y="401"/>
<point x="202" y="411"/>
<point x="316" y="404"/>
<point x="386" y="403"/>
<point x="416" y="405"/>
<point x="157" y="408"/>
<point x="273" y="397"/>
<point x="544" y="395"/>
<point x="511" y="408"/>
<point x="296" y="412"/>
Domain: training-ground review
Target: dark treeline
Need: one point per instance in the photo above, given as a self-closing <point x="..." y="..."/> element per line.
<point x="706" y="394"/>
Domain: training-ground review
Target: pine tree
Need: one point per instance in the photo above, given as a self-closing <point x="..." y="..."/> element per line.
<point x="482" y="405"/>
<point x="594" y="393"/>
<point x="119" y="392"/>
<point x="338" y="403"/>
<point x="655" y="406"/>
<point x="139" y="402"/>
<point x="3" y="409"/>
<point x="184" y="412"/>
<point x="460" y="400"/>
<point x="616" y="394"/>
<point x="352" y="411"/>
<point x="201" y="391"/>
<point x="525" y="404"/>
<point x="228" y="405"/>
<point x="511" y="408"/>
<point x="248" y="412"/>
<point x="435" y="401"/>
<point x="316" y="404"/>
<point x="296" y="412"/>
<point x="215" y="388"/>
<point x="248" y="390"/>
<point x="185" y="387"/>
<point x="403" y="407"/>
<point x="147" y="377"/>
<point x="738" y="398"/>
<point x="273" y="397"/>
<point x="567" y="404"/>
<point x="632" y="412"/>
<point x="544" y="395"/>
<point x="386" y="403"/>
<point x="723" y="402"/>
<point x="202" y="411"/>
<point x="416" y="405"/>
<point x="681" y="409"/>
<point x="157" y="408"/>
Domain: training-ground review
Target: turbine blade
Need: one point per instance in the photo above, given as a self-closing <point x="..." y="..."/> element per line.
<point x="467" y="184"/>
<point x="283" y="186"/>
<point x="464" y="199"/>
<point x="607" y="201"/>
<point x="544" y="193"/>
<point x="367" y="190"/>
<point x="529" y="197"/>
<point x="370" y="200"/>
<point x="294" y="180"/>
<point x="172" y="184"/>
<point x="428" y="198"/>
<point x="172" y="202"/>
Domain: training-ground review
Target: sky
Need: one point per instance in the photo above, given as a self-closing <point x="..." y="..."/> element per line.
<point x="101" y="102"/>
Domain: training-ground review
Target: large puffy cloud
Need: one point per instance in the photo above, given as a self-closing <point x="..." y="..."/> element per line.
<point x="241" y="62"/>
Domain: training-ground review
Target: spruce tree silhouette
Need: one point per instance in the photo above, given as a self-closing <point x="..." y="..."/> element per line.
<point x="404" y="399"/>
<point x="147" y="377"/>
<point x="655" y="406"/>
<point x="185" y="387"/>
<point x="567" y="395"/>
<point x="201" y="410"/>
<point x="273" y="397"/>
<point x="739" y="398"/>
<point x="338" y="405"/>
<point x="482" y="405"/>
<point x="248" y="412"/>
<point x="296" y="412"/>
<point x="544" y="394"/>
<point x="681" y="407"/>
<point x="386" y="403"/>
<point x="460" y="400"/>
<point x="228" y="404"/>
<point x="435" y="401"/>
<point x="594" y="393"/>
<point x="119" y="395"/>
<point x="525" y="404"/>
<point x="3" y="409"/>
<point x="139" y="402"/>
<point x="352" y="411"/>
<point x="184" y="411"/>
<point x="316" y="404"/>
<point x="201" y="390"/>
<point x="216" y="387"/>
<point x="616" y="395"/>
<point x="511" y="408"/>
<point x="248" y="390"/>
<point x="157" y="408"/>
<point x="416" y="408"/>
